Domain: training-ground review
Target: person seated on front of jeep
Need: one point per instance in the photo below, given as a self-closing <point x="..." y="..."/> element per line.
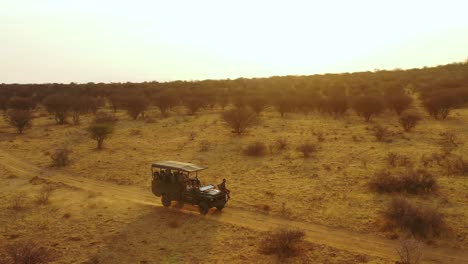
<point x="222" y="187"/>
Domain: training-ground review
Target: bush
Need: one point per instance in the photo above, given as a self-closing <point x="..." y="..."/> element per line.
<point x="449" y="141"/>
<point x="411" y="181"/>
<point x="368" y="106"/>
<point x="103" y="117"/>
<point x="256" y="149"/>
<point x="193" y="104"/>
<point x="42" y="197"/>
<point x="418" y="220"/>
<point x="307" y="149"/>
<point x="409" y="120"/>
<point x="395" y="159"/>
<point x="337" y="105"/>
<point x="20" y="119"/>
<point x="165" y="101"/>
<point x="281" y="144"/>
<point x="381" y="133"/>
<point x="440" y="105"/>
<point x="100" y="131"/>
<point x="399" y="102"/>
<point x="61" y="157"/>
<point x="284" y="243"/>
<point x="28" y="252"/>
<point x="258" y="104"/>
<point x="136" y="105"/>
<point x="59" y="105"/>
<point x="239" y="119"/>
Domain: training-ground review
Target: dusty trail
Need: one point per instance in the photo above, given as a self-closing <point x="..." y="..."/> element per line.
<point x="338" y="238"/>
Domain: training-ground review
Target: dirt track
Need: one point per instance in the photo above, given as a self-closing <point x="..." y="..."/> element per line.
<point x="338" y="238"/>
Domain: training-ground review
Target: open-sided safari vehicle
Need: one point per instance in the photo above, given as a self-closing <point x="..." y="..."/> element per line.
<point x="178" y="181"/>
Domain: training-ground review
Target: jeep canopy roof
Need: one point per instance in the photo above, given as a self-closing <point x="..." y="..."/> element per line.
<point x="176" y="165"/>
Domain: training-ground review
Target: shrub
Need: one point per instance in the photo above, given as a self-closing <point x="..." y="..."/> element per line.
<point x="284" y="105"/>
<point x="449" y="141"/>
<point x="165" y="101"/>
<point x="410" y="251"/>
<point x="411" y="181"/>
<point x="281" y="144"/>
<point x="399" y="102"/>
<point x="440" y="105"/>
<point x="381" y="133"/>
<point x="205" y="145"/>
<point x="337" y="105"/>
<point x="258" y="104"/>
<point x="395" y="159"/>
<point x="103" y="117"/>
<point x="239" y="119"/>
<point x="20" y="119"/>
<point x="100" y="131"/>
<point x="193" y="104"/>
<point x="284" y="243"/>
<point x="59" y="105"/>
<point x="42" y="197"/>
<point x="392" y="159"/>
<point x="368" y="106"/>
<point x="409" y="120"/>
<point x="136" y="105"/>
<point x="307" y="149"/>
<point x="28" y="252"/>
<point x="18" y="202"/>
<point x="61" y="157"/>
<point x="420" y="221"/>
<point x="256" y="149"/>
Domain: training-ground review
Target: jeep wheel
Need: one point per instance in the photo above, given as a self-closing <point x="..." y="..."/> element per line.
<point x="165" y="201"/>
<point x="220" y="207"/>
<point x="203" y="208"/>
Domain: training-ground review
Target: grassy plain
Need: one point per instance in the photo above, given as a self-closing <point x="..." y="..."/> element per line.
<point x="329" y="188"/>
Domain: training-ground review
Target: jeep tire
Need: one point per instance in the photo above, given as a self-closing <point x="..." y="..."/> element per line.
<point x="203" y="208"/>
<point x="165" y="201"/>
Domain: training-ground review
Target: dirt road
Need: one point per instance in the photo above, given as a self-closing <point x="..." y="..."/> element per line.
<point x="338" y="238"/>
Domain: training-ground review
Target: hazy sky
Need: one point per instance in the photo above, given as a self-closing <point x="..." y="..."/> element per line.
<point x="115" y="41"/>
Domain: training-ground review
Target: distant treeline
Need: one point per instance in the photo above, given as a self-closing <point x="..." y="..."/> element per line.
<point x="440" y="88"/>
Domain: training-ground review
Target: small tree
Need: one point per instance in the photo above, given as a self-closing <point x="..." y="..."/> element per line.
<point x="59" y="105"/>
<point x="399" y="102"/>
<point x="21" y="119"/>
<point x="239" y="119"/>
<point x="368" y="106"/>
<point x="258" y="104"/>
<point x="307" y="149"/>
<point x="165" y="101"/>
<point x="100" y="131"/>
<point x="337" y="105"/>
<point x="409" y="120"/>
<point x="136" y="105"/>
<point x="284" y="105"/>
<point x="193" y="105"/>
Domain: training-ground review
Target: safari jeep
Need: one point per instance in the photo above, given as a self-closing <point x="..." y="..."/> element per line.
<point x="178" y="181"/>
